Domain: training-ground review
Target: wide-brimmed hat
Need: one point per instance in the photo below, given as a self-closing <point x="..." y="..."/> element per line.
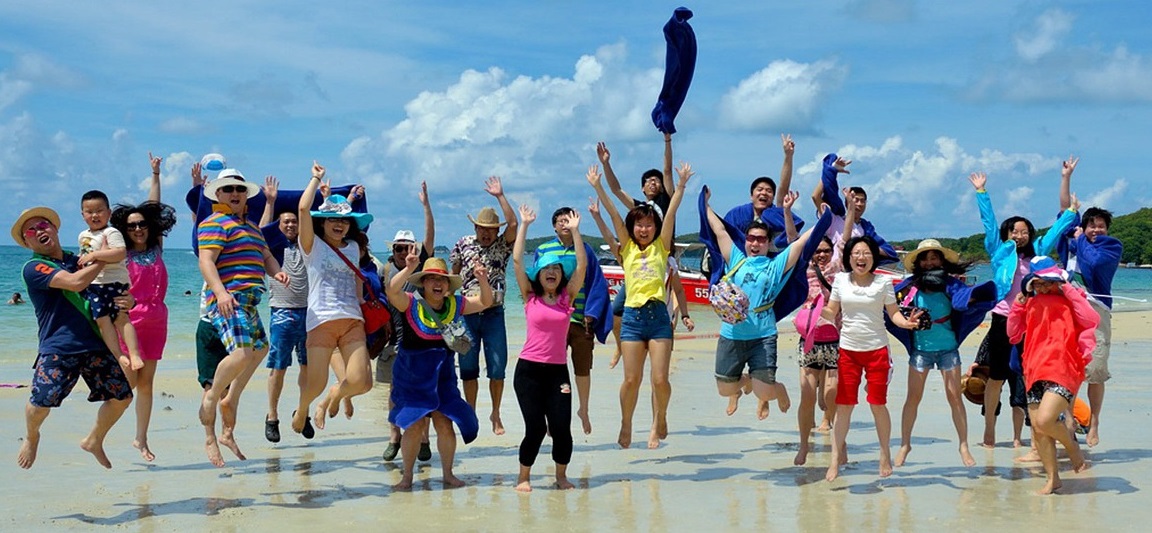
<point x="925" y="245"/>
<point x="566" y="262"/>
<point x="973" y="384"/>
<point x="229" y="176"/>
<point x="404" y="236"/>
<point x="487" y="218"/>
<point x="337" y="206"/>
<point x="435" y="266"/>
<point x="47" y="213"/>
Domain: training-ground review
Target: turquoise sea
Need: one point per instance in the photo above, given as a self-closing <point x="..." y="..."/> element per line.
<point x="18" y="323"/>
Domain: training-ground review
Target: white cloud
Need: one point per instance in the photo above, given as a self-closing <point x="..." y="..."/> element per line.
<point x="1109" y="196"/>
<point x="1050" y="27"/>
<point x="784" y="96"/>
<point x="174" y="170"/>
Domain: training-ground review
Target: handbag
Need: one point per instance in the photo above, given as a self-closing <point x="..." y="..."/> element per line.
<point x="906" y="309"/>
<point x="729" y="301"/>
<point x="377" y="318"/>
<point x="454" y="332"/>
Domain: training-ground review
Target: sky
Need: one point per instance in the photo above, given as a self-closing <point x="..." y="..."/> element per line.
<point x="918" y="94"/>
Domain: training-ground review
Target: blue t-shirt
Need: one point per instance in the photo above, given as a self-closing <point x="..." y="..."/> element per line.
<point x="761" y="279"/>
<point x="940" y="336"/>
<point x="63" y="329"/>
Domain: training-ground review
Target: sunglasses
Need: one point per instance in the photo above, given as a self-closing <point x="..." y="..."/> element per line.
<point x="759" y="239"/>
<point x="229" y="189"/>
<point x="822" y="251"/>
<point x="132" y="226"/>
<point x="36" y="228"/>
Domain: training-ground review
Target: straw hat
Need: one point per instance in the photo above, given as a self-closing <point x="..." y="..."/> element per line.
<point x="487" y="218"/>
<point x="925" y="245"/>
<point x="229" y="176"/>
<point x="973" y="383"/>
<point x="436" y="266"/>
<point x="42" y="212"/>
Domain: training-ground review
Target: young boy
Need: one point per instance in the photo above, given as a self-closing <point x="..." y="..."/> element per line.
<point x="103" y="243"/>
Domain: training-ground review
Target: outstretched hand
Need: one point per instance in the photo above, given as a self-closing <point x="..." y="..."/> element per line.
<point x="788" y="144"/>
<point x="155" y="163"/>
<point x="572" y="222"/>
<point x="685" y="172"/>
<point x="197" y="178"/>
<point x="593" y="176"/>
<point x="412" y="260"/>
<point x="1069" y="166"/>
<point x="318" y="170"/>
<point x="492" y="186"/>
<point x="979" y="180"/>
<point x="527" y="215"/>
<point x="271" y="187"/>
<point x="594" y="206"/>
<point x="424" y="193"/>
<point x="602" y="153"/>
<point x="325" y="188"/>
<point x="841" y="165"/>
<point x="790" y="199"/>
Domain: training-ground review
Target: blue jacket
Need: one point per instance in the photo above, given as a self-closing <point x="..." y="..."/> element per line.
<point x="742" y="215"/>
<point x="969" y="306"/>
<point x="597" y="303"/>
<point x="679" y="66"/>
<point x="836" y="204"/>
<point x="1003" y="253"/>
<point x="795" y="290"/>
<point x="1096" y="261"/>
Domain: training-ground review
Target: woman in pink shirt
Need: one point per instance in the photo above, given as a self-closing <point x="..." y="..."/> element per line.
<point x="543" y="389"/>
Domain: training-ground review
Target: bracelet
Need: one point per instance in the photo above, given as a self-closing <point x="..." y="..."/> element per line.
<point x="155" y="173"/>
<point x="685" y="317"/>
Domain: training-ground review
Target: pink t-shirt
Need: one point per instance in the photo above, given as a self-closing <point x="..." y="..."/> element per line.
<point x="547" y="330"/>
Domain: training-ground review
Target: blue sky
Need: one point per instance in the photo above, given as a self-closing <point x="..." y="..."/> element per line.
<point x="918" y="94"/>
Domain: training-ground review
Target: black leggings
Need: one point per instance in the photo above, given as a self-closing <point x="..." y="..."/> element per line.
<point x="544" y="393"/>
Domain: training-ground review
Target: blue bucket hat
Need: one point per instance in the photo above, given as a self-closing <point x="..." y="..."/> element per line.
<point x="337" y="206"/>
<point x="567" y="264"/>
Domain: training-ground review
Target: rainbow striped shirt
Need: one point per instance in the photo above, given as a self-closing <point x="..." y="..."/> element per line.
<point x="241" y="245"/>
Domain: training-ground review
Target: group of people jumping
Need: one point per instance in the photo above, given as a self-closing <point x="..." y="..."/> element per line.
<point x="335" y="306"/>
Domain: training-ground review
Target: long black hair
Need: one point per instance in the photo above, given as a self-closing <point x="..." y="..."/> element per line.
<point x="159" y="217"/>
<point x="846" y="260"/>
<point x="1006" y="227"/>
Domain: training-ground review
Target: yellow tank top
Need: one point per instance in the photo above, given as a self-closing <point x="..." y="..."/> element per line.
<point x="644" y="272"/>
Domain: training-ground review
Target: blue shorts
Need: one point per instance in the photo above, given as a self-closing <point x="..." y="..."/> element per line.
<point x="759" y="355"/>
<point x="942" y="360"/>
<point x="288" y="332"/>
<point x="243" y="329"/>
<point x="647" y="322"/>
<point x="487" y="329"/>
<point x="100" y="299"/>
<point x="55" y="375"/>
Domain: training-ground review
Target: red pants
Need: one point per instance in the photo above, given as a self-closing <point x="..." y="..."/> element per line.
<point x="875" y="365"/>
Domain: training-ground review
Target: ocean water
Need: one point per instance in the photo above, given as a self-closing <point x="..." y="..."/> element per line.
<point x="18" y="322"/>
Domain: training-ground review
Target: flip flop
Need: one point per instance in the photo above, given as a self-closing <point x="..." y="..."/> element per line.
<point x="425" y="452"/>
<point x="391" y="451"/>
<point x="308" y="432"/>
<point x="272" y="430"/>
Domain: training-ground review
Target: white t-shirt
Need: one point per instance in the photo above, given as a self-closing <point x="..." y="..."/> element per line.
<point x="333" y="289"/>
<point x="105" y="239"/>
<point x="862" y="309"/>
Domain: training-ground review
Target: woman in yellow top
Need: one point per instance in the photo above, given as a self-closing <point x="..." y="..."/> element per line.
<point x="645" y="240"/>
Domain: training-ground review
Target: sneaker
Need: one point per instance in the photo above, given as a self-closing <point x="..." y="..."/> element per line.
<point x="425" y="452"/>
<point x="391" y="451"/>
<point x="272" y="430"/>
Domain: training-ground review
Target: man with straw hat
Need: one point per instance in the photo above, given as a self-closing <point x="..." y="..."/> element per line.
<point x="70" y="346"/>
<point x="492" y="249"/>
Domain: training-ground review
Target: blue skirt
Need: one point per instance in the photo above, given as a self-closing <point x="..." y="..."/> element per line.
<point x="424" y="381"/>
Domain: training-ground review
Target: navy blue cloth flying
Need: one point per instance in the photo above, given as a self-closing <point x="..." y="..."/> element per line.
<point x="888" y="254"/>
<point x="742" y="215"/>
<point x="679" y="65"/>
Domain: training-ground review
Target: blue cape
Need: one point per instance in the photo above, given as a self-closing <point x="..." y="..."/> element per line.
<point x="836" y="204"/>
<point x="795" y="290"/>
<point x="597" y="303"/>
<point x="742" y="215"/>
<point x="285" y="201"/>
<point x="969" y="305"/>
<point x="679" y="65"/>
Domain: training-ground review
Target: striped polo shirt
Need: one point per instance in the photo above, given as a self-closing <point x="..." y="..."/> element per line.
<point x="241" y="246"/>
<point x="554" y="246"/>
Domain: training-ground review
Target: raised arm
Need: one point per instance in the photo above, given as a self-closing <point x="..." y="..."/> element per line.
<point x="605" y="231"/>
<point x="593" y="177"/>
<point x="154" y="187"/>
<point x="271" y="188"/>
<point x="304" y="209"/>
<point x="851" y="215"/>
<point x="613" y="184"/>
<point x="482" y="301"/>
<point x="493" y="186"/>
<point x="723" y="240"/>
<point x="527" y="217"/>
<point x="429" y="221"/>
<point x="667" y="181"/>
<point x="394" y="288"/>
<point x="577" y="280"/>
<point x="786" y="174"/>
<point x="987" y="216"/>
<point x="1066" y="170"/>
<point x="788" y="199"/>
<point x="1047" y="242"/>
<point x="833" y="165"/>
<point x="669" y="222"/>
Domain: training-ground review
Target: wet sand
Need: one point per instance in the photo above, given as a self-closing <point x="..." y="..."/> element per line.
<point x="713" y="473"/>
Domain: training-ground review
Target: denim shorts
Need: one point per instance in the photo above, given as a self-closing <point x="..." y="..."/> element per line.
<point x="288" y="333"/>
<point x="488" y="331"/>
<point x="647" y="322"/>
<point x="942" y="360"/>
<point x="759" y="355"/>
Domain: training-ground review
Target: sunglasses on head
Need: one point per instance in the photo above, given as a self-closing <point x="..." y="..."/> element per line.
<point x="759" y="239"/>
<point x="131" y="226"/>
<point x="37" y="228"/>
<point x="229" y="189"/>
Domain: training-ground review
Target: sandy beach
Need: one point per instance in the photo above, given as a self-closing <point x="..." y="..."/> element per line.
<point x="714" y="472"/>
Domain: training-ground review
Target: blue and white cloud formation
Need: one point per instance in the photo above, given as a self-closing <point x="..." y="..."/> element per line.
<point x="919" y="94"/>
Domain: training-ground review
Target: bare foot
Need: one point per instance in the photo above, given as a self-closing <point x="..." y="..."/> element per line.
<point x="297" y="423"/>
<point x="319" y="414"/>
<point x="562" y="483"/>
<point x="332" y="401"/>
<point x="227" y="414"/>
<point x="585" y="421"/>
<point x="832" y="473"/>
<point x="902" y="454"/>
<point x="1030" y="457"/>
<point x="1084" y="465"/>
<point x="966" y="456"/>
<point x="782" y="400"/>
<point x="801" y="455"/>
<point x="1016" y="442"/>
<point x="213" y="451"/>
<point x="662" y="427"/>
<point x="229" y="441"/>
<point x="146" y="453"/>
<point x="653" y="440"/>
<point x="625" y="438"/>
<point x="524" y="486"/>
<point x="207" y="412"/>
<point x="988" y="444"/>
<point x="137" y="362"/>
<point x="885" y="465"/>
<point x="1093" y="437"/>
<point x="762" y="410"/>
<point x="28" y="450"/>
<point x="1050" y="487"/>
<point x="96" y="448"/>
<point x="452" y="481"/>
<point x="497" y="425"/>
<point x="348" y="409"/>
<point x="405" y="485"/>
<point x="825" y="427"/>
<point x="733" y="404"/>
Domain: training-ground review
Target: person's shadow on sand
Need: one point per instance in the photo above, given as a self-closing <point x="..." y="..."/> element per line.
<point x="191" y="506"/>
